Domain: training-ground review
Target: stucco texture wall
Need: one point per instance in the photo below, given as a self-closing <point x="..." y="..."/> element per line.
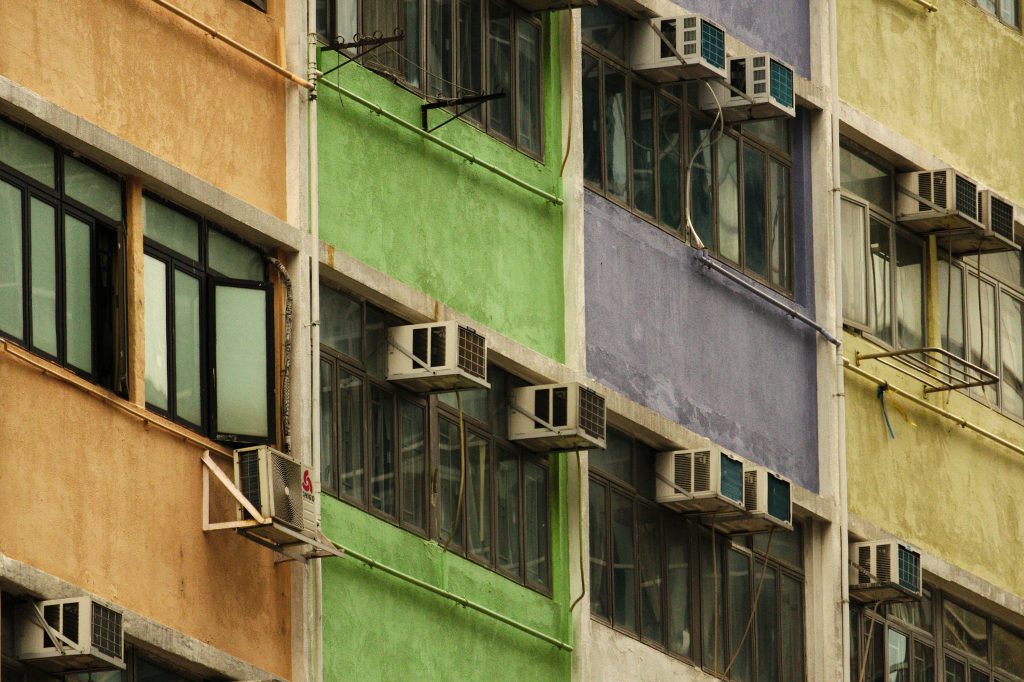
<point x="379" y="628"/>
<point x="98" y="499"/>
<point x="418" y="212"/>
<point x="161" y="84"/>
<point x="936" y="485"/>
<point x="952" y="82"/>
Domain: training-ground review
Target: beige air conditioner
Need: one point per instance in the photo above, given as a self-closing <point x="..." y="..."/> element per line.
<point x="79" y="636"/>
<point x="437" y="356"/>
<point x="767" y="87"/>
<point x="557" y="417"/>
<point x="280" y="489"/>
<point x="699" y="42"/>
<point x="885" y="570"/>
<point x="768" y="500"/>
<point x="700" y="480"/>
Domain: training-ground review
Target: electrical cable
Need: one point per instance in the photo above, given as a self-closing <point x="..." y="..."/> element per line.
<point x="753" y="605"/>
<point x="714" y="596"/>
<point x="462" y="472"/>
<point x="568" y="141"/>
<point x="867" y="645"/>
<point x="583" y="579"/>
<point x="719" y="121"/>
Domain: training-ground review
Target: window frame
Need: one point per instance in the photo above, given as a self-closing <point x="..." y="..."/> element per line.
<point x="998" y="12"/>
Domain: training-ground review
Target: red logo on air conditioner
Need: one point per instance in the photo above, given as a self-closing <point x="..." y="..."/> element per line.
<point x="307" y="482"/>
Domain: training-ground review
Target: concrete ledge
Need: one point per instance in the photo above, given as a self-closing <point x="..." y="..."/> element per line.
<point x="168" y="180"/>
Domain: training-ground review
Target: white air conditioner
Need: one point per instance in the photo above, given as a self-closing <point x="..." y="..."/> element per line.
<point x="556" y="417"/>
<point x="437" y="356"/>
<point x="768" y="499"/>
<point x="280" y="489"/>
<point x="698" y="41"/>
<point x="765" y="80"/>
<point x="950" y="201"/>
<point x="82" y="636"/>
<point x="884" y="571"/>
<point x="998" y="217"/>
<point x="700" y="480"/>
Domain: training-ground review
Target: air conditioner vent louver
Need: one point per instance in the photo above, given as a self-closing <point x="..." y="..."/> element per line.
<point x="107" y="631"/>
<point x="885" y="571"/>
<point x="939" y="190"/>
<point x="684" y="471"/>
<point x="556" y="417"/>
<point x="864" y="562"/>
<point x="437" y="356"/>
<point x="702" y="472"/>
<point x="924" y="190"/>
<point x="750" y="490"/>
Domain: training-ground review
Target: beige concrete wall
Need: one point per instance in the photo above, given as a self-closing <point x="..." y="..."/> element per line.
<point x="950" y="81"/>
<point x="96" y="497"/>
<point x="134" y="68"/>
<point x="943" y="488"/>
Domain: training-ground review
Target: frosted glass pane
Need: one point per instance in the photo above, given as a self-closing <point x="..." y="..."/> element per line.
<point x="186" y="348"/>
<point x="94" y="189"/>
<point x="156" y="332"/>
<point x="233" y="259"/>
<point x="241" y="355"/>
<point x="78" y="293"/>
<point x="44" y="277"/>
<point x="171" y="228"/>
<point x="11" y="318"/>
<point x="31" y="156"/>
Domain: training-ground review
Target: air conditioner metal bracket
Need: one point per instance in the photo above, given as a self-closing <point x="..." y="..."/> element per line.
<point x="210" y="466"/>
<point x="302" y="550"/>
<point x="473" y="101"/>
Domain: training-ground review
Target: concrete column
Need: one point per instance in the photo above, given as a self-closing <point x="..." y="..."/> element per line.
<point x="135" y="296"/>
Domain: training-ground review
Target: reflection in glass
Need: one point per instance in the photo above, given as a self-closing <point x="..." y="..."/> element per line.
<point x="728" y="199"/>
<point x="413" y="464"/>
<point x="739" y="614"/>
<point x="341" y="323"/>
<point x="778" y="223"/>
<point x="25" y="153"/>
<point x="755" y="251"/>
<point x="865" y="179"/>
<point x="231" y="258"/>
<point x="450" y="477"/>
<point x="981" y="319"/>
<point x="910" y="286"/>
<point x="508" y="512"/>
<point x="478" y="495"/>
<point x="881" y="277"/>
<point x="712" y="597"/>
<point x="855" y="267"/>
<point x="328" y="455"/>
<point x="187" y="382"/>
<point x="1011" y="313"/>
<point x="598" y="510"/>
<point x="616" y="149"/>
<point x="11" y="259"/>
<point x="767" y="629"/>
<point x="964" y="629"/>
<point x="528" y="105"/>
<point x="157" y="359"/>
<point x="93" y="188"/>
<point x="669" y="163"/>
<point x="78" y="293"/>
<point x="535" y="483"/>
<point x="643" y="149"/>
<point x="44" y="277"/>
<point x="499" y="46"/>
<point x="898" y="659"/>
<point x="350" y="433"/>
<point x="624" y="562"/>
<point x="649" y="551"/>
<point x="591" y="119"/>
<point x="440" y="74"/>
<point x="702" y="190"/>
<point x="382" y="451"/>
<point x="471" y="53"/>
<point x="677" y="546"/>
<point x="924" y="662"/>
<point x="241" y="367"/>
<point x="951" y="308"/>
<point x="171" y="228"/>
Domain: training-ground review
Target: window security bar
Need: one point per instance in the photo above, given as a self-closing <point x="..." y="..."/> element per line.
<point x="668" y="43"/>
<point x="936" y="368"/>
<point x="473" y="101"/>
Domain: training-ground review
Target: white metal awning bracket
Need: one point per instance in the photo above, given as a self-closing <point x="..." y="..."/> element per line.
<point x="257" y="518"/>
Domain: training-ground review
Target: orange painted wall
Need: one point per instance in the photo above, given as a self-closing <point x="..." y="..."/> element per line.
<point x="94" y="496"/>
<point x="142" y="73"/>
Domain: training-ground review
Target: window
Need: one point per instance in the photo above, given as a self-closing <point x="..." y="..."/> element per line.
<point x="934" y="639"/>
<point x="386" y="450"/>
<point x="209" y="329"/>
<point x="454" y="49"/>
<point x="258" y="4"/>
<point x="62" y="280"/>
<point x="658" y="576"/>
<point x="1006" y="10"/>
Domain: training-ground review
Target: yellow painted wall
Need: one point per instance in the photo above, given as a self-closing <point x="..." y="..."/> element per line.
<point x="944" y="489"/>
<point x="97" y="498"/>
<point x="952" y="82"/>
<point x="144" y="74"/>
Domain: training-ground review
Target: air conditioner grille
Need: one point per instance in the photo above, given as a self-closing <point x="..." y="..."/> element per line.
<point x="778" y="492"/>
<point x="781" y="83"/>
<point x="864" y="563"/>
<point x="966" y="197"/>
<point x="883" y="568"/>
<point x="702" y="472"/>
<point x="249" y="477"/>
<point x="472" y="352"/>
<point x="939" y="190"/>
<point x="106" y="630"/>
<point x="1001" y="217"/>
<point x="287" y="490"/>
<point x="750" y="490"/>
<point x="684" y="471"/>
<point x="731" y="472"/>
<point x="591" y="413"/>
<point x="712" y="44"/>
<point x="924" y="190"/>
<point x="909" y="569"/>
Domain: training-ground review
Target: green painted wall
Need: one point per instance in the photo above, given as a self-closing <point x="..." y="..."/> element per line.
<point x="416" y="211"/>
<point x="377" y="627"/>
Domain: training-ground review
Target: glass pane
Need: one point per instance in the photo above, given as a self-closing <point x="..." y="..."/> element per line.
<point x="898" y="657"/>
<point x="109" y="676"/>
<point x="188" y="386"/>
<point x="917" y="613"/>
<point x="646" y="458"/>
<point x="501" y="384"/>
<point x="616" y="149"/>
<point x="528" y="105"/>
<point x="96" y="190"/>
<point x="924" y="663"/>
<point x="712" y="601"/>
<point x="535" y="482"/>
<point x="478" y="495"/>
<point x="1008" y="11"/>
<point x="865" y="179"/>
<point x="499" y="65"/>
<point x="955" y="670"/>
<point x="1007" y="650"/>
<point x="1004" y="266"/>
<point x="855" y="288"/>
<point x="643" y="149"/>
<point x="785" y="545"/>
<point x="881" y="259"/>
<point x="624" y="566"/>
<point x="779" y="223"/>
<point x="910" y="291"/>
<point x="981" y="315"/>
<point x="754" y="226"/>
<point x="591" y="120"/>
<point x="12" y="318"/>
<point x="413" y="464"/>
<point x="792" y="630"/>
<point x="702" y="186"/>
<point x="988" y="5"/>
<point x="951" y="308"/>
<point x="649" y="550"/>
<point x="382" y="451"/>
<point x="341" y="323"/>
<point x="25" y="153"/>
<point x="474" y="402"/>
<point x="377" y="323"/>
<point x="1011" y="314"/>
<point x="323" y="23"/>
<point x="728" y="200"/>
<point x="669" y="164"/>
<point x="616" y="459"/>
<point x="409" y="54"/>
<point x="598" y="515"/>
<point x="508" y="512"/>
<point x="774" y="132"/>
<point x="242" y="388"/>
<point x="328" y="454"/>
<point x="739" y="613"/>
<point x="450" y="464"/>
<point x="233" y="259"/>
<point x="677" y="545"/>
<point x="471" y="52"/>
<point x="151" y="673"/>
<point x="78" y="293"/>
<point x="350" y="433"/>
<point x="157" y="359"/>
<point x="440" y="49"/>
<point x="44" y="277"/>
<point x="965" y="630"/>
<point x="767" y="628"/>
<point x="171" y="228"/>
<point x="979" y="675"/>
<point x="605" y="28"/>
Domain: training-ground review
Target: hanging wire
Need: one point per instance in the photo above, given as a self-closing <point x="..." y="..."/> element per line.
<point x="753" y="606"/>
<point x="462" y="473"/>
<point x="583" y="579"/>
<point x="882" y="388"/>
<point x="867" y="644"/>
<point x="720" y="122"/>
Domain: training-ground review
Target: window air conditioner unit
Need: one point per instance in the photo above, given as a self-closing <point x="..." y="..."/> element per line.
<point x="768" y="499"/>
<point x="699" y="41"/>
<point x="545" y="5"/>
<point x="885" y="571"/>
<point x="998" y="218"/>
<point x="556" y="417"/>
<point x="952" y="202"/>
<point x="82" y="636"/>
<point x="702" y="480"/>
<point x="279" y="488"/>
<point x="766" y="81"/>
<point x="437" y="356"/>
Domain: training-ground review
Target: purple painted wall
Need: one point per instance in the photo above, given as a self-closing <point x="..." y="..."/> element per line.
<point x="781" y="27"/>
